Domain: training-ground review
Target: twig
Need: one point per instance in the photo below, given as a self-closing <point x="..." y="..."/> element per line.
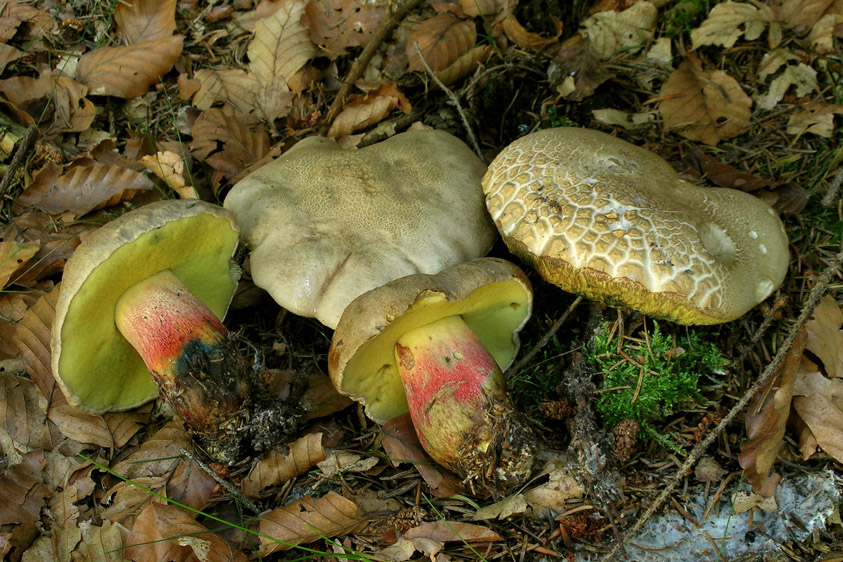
<point x="228" y="487"/>
<point x="22" y="151"/>
<point x="545" y="338"/>
<point x="772" y="368"/>
<point x="386" y="28"/>
<point x="455" y="101"/>
<point x="833" y="188"/>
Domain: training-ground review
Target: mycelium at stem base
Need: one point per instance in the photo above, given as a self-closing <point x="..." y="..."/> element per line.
<point x="458" y="402"/>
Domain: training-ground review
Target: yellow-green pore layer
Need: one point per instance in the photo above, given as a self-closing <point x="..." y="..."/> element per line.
<point x="492" y="295"/>
<point x="96" y="368"/>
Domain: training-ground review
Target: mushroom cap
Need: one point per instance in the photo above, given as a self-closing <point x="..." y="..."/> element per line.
<point x="94" y="365"/>
<point x="493" y="297"/>
<point x="603" y="218"/>
<point x="326" y="224"/>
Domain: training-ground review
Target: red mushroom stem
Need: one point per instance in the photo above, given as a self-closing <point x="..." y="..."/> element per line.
<point x="187" y="350"/>
<point x="459" y="406"/>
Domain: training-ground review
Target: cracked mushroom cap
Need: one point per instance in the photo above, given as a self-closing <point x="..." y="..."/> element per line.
<point x="96" y="368"/>
<point x="326" y="224"/>
<point x="612" y="221"/>
<point x="493" y="297"/>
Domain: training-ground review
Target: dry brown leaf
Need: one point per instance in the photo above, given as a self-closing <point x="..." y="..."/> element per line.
<point x="727" y="21"/>
<point x="579" y="69"/>
<point x="814" y="117"/>
<point x="20" y="415"/>
<point x="766" y="418"/>
<point x="158" y="455"/>
<point x="129" y="71"/>
<point x="399" y="440"/>
<point x="612" y="32"/>
<point x="13" y="257"/>
<point x="8" y="54"/>
<point x="68" y="110"/>
<point x="818" y="402"/>
<point x="474" y="8"/>
<point x="445" y="42"/>
<point x="100" y="543"/>
<point x="231" y="86"/>
<point x="32" y="337"/>
<point x="451" y="531"/>
<point x="82" y="189"/>
<point x="705" y="106"/>
<point x="169" y="166"/>
<point x="526" y="39"/>
<point x="65" y="530"/>
<point x="190" y="485"/>
<point x="307" y="520"/>
<point x="226" y="143"/>
<point x="167" y="532"/>
<point x="284" y="463"/>
<point x="337" y="25"/>
<point x="800" y="15"/>
<point x="825" y="337"/>
<point x="823" y="33"/>
<point x="369" y="110"/>
<point x="722" y="174"/>
<point x="799" y="75"/>
<point x="145" y="20"/>
<point x="24" y="494"/>
<point x="281" y="45"/>
<point x="37" y="22"/>
<point x="126" y="500"/>
<point x="56" y="245"/>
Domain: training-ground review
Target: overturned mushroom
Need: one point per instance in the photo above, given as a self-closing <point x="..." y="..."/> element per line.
<point x="606" y="219"/>
<point x="326" y="224"/>
<point x="144" y="295"/>
<point x="434" y="345"/>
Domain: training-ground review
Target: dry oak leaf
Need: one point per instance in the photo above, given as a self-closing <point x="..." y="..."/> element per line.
<point x="13" y="257"/>
<point x="281" y="45"/>
<point x="369" y="110"/>
<point x="705" y="106"/>
<point x="68" y="110"/>
<point x="729" y="20"/>
<point x="766" y="419"/>
<point x="800" y="75"/>
<point x="169" y="167"/>
<point x="284" y="463"/>
<point x="307" y="520"/>
<point x="818" y="402"/>
<point x="167" y="532"/>
<point x="82" y="189"/>
<point x="825" y="337"/>
<point x="814" y="117"/>
<point x="128" y="71"/>
<point x="337" y="25"/>
<point x="139" y="21"/>
<point x="446" y="43"/>
<point x="612" y="32"/>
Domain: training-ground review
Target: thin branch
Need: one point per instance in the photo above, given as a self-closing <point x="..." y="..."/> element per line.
<point x="386" y="28"/>
<point x="228" y="487"/>
<point x="807" y="310"/>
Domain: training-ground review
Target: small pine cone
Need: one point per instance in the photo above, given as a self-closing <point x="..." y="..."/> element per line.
<point x="556" y="409"/>
<point x="625" y="439"/>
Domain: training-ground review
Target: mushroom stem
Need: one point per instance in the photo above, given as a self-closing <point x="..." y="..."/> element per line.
<point x="187" y="350"/>
<point x="459" y="406"/>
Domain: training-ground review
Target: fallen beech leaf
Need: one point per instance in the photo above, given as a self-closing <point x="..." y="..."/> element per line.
<point x="709" y="470"/>
<point x="129" y="71"/>
<point x="281" y="45"/>
<point x="24" y="494"/>
<point x="722" y="174"/>
<point x="579" y="68"/>
<point x="99" y="543"/>
<point x="8" y="54"/>
<point x="126" y="500"/>
<point x="13" y="257"/>
<point x="307" y="520"/>
<point x="516" y="504"/>
<point x="825" y="337"/>
<point x="371" y="109"/>
<point x="822" y="34"/>
<point x="474" y="8"/>
<point x="613" y="32"/>
<point x="167" y="532"/>
<point x="819" y="403"/>
<point x="145" y="20"/>
<point x="450" y="531"/>
<point x="799" y="75"/>
<point x="446" y="43"/>
<point x="744" y="501"/>
<point x="814" y="117"/>
<point x="232" y="86"/>
<point x="800" y="15"/>
<point x="56" y="245"/>
<point x="284" y="463"/>
<point x="20" y="415"/>
<point x="169" y="167"/>
<point x="727" y="21"/>
<point x="37" y="22"/>
<point x="226" y="143"/>
<point x="705" y="106"/>
<point x="528" y="40"/>
<point x="68" y="110"/>
<point x="623" y="119"/>
<point x="765" y="421"/>
<point x="399" y="440"/>
<point x="158" y="455"/>
<point x="340" y="462"/>
<point x="337" y="25"/>
<point x="190" y="485"/>
<point x="82" y="189"/>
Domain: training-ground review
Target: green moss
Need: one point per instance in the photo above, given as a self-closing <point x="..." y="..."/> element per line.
<point x="648" y="380"/>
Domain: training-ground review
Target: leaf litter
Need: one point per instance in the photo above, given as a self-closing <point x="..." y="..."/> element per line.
<point x="166" y="99"/>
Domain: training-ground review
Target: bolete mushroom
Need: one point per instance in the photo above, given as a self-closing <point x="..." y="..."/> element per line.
<point x="606" y="219"/>
<point x="142" y="296"/>
<point x="434" y="345"/>
<point x="326" y="224"/>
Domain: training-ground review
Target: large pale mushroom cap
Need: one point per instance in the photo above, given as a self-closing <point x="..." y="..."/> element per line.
<point x="492" y="295"/>
<point x="326" y="224"/>
<point x="94" y="365"/>
<point x="612" y="221"/>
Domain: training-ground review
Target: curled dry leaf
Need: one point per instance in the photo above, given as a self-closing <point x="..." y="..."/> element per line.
<point x="168" y="532"/>
<point x="727" y="21"/>
<point x="68" y="110"/>
<point x="814" y="117"/>
<point x="793" y="73"/>
<point x="705" y="106"/>
<point x="169" y="167"/>
<point x="613" y="32"/>
<point x="82" y="189"/>
<point x="129" y="71"/>
<point x="145" y="20"/>
<point x="825" y="337"/>
<point x="445" y="42"/>
<point x="369" y="110"/>
<point x="528" y="40"/>
<point x="281" y="45"/>
<point x="307" y="520"/>
<point x="284" y="463"/>
<point x="766" y="418"/>
<point x="337" y="25"/>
